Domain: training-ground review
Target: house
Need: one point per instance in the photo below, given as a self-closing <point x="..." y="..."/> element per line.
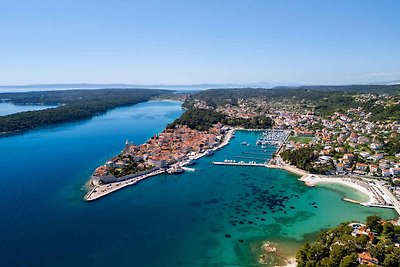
<point x="366" y="258"/>
<point x="364" y="154"/>
<point x="340" y="167"/>
<point x="325" y="152"/>
<point x="361" y="167"/>
<point x="376" y="157"/>
<point x="376" y="146"/>
<point x="353" y="138"/>
<point x="346" y="162"/>
<point x="394" y="171"/>
<point x="373" y="168"/>
<point x="339" y="150"/>
<point x="385" y="173"/>
<point x="348" y="156"/>
<point x="160" y="163"/>
<point x="361" y="229"/>
<point x="325" y="159"/>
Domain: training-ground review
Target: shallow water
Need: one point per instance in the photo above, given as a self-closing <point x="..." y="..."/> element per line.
<point x="10" y="108"/>
<point x="216" y="215"/>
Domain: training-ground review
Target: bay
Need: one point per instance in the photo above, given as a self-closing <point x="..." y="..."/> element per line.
<point x="10" y="108"/>
<point x="214" y="215"/>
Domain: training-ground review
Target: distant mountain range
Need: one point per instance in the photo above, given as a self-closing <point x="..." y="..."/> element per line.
<point x="179" y="87"/>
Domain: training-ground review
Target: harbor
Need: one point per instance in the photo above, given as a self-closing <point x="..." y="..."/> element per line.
<point x="273" y="137"/>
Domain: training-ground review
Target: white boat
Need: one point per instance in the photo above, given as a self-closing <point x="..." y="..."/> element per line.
<point x="209" y="152"/>
<point x="174" y="170"/>
<point x="190" y="162"/>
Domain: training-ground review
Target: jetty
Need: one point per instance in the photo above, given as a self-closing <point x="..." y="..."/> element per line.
<point x="102" y="190"/>
<point x="240" y="163"/>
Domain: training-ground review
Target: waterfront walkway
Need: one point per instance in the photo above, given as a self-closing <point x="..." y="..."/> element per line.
<point x="103" y="190"/>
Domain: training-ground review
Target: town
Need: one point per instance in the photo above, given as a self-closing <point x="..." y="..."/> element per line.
<point x="167" y="152"/>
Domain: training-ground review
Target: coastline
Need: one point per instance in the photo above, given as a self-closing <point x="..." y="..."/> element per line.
<point x="312" y="180"/>
<point x="376" y="193"/>
<point x="99" y="191"/>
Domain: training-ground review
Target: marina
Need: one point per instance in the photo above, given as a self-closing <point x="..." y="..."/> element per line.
<point x="273" y="137"/>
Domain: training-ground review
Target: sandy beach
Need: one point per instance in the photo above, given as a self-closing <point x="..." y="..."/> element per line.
<point x="313" y="180"/>
<point x="359" y="185"/>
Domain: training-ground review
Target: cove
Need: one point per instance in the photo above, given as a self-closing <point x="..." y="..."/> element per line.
<point x="214" y="215"/>
<point x="10" y="108"/>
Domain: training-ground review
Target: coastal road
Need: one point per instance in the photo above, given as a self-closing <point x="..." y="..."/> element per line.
<point x="396" y="203"/>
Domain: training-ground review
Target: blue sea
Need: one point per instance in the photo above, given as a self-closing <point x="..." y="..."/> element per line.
<point x="211" y="216"/>
<point x="7" y="108"/>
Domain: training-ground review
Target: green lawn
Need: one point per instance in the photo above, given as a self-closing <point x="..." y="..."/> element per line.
<point x="304" y="140"/>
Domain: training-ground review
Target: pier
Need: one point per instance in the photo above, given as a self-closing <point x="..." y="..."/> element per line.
<point x="243" y="157"/>
<point x="240" y="163"/>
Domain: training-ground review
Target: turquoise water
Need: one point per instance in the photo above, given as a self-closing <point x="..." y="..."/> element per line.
<point x="10" y="108"/>
<point x="216" y="215"/>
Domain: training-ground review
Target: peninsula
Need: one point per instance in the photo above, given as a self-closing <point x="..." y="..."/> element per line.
<point x="70" y="105"/>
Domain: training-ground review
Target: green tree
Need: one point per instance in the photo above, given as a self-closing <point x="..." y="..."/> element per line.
<point x="388" y="229"/>
<point x="391" y="261"/>
<point x="349" y="261"/>
<point x="374" y="223"/>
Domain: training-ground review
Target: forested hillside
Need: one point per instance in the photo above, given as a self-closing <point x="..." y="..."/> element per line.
<point x="73" y="105"/>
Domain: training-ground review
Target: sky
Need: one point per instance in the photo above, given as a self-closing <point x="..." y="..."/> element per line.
<point x="192" y="42"/>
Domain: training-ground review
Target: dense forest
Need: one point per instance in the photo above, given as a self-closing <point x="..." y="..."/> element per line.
<point x="199" y="119"/>
<point x="357" y="88"/>
<point x="257" y="122"/>
<point x="337" y="247"/>
<point x="203" y="119"/>
<point x="73" y="105"/>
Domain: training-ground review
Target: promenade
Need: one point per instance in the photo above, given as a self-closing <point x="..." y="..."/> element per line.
<point x="103" y="190"/>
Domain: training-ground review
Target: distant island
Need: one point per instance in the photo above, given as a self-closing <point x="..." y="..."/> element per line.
<point x="72" y="105"/>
